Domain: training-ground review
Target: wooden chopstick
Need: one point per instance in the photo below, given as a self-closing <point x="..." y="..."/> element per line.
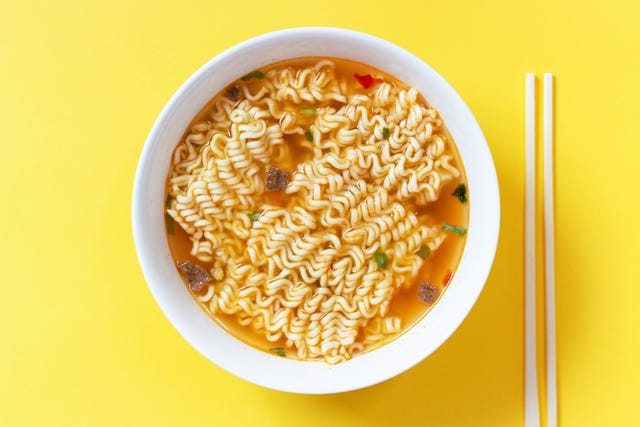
<point x="531" y="404"/>
<point x="549" y="252"/>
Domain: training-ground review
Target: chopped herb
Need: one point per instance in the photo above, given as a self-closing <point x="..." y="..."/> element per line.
<point x="447" y="278"/>
<point x="385" y="133"/>
<point x="279" y="351"/>
<point x="309" y="111"/>
<point x="381" y="259"/>
<point x="461" y="192"/>
<point x="257" y="74"/>
<point x="423" y="252"/>
<point x="167" y="202"/>
<point x="253" y="216"/>
<point x="367" y="81"/>
<point x="309" y="136"/>
<point x="169" y="219"/>
<point x="460" y="231"/>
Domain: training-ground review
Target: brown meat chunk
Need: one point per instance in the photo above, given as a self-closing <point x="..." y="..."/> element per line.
<point x="276" y="179"/>
<point x="195" y="275"/>
<point x="427" y="292"/>
<point x="233" y="92"/>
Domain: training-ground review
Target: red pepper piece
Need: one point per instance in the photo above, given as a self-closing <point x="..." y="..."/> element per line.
<point x="367" y="80"/>
<point x="447" y="278"/>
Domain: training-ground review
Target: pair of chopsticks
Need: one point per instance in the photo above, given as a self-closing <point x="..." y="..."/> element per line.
<point x="532" y="406"/>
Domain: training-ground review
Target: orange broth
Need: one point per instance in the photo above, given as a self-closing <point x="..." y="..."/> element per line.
<point x="405" y="304"/>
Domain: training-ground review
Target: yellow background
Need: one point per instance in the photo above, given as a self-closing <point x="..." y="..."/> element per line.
<point x="83" y="343"/>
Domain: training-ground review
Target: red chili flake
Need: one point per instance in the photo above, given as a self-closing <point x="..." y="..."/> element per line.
<point x="367" y="80"/>
<point x="447" y="278"/>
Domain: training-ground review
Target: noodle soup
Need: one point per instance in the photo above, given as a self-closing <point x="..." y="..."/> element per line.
<point x="316" y="208"/>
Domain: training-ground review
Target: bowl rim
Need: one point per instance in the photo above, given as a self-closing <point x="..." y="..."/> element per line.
<point x="146" y="252"/>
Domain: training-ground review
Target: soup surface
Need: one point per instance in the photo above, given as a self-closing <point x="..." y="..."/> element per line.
<point x="316" y="208"/>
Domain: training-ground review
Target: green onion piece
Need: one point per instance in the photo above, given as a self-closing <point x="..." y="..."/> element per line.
<point x="253" y="216"/>
<point x="309" y="111"/>
<point x="385" y="133"/>
<point x="279" y="351"/>
<point x="167" y="202"/>
<point x="461" y="192"/>
<point x="309" y="136"/>
<point x="169" y="219"/>
<point x="423" y="252"/>
<point x="460" y="231"/>
<point x="257" y="74"/>
<point x="381" y="259"/>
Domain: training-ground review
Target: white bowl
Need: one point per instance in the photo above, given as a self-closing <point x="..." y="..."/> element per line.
<point x="277" y="372"/>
